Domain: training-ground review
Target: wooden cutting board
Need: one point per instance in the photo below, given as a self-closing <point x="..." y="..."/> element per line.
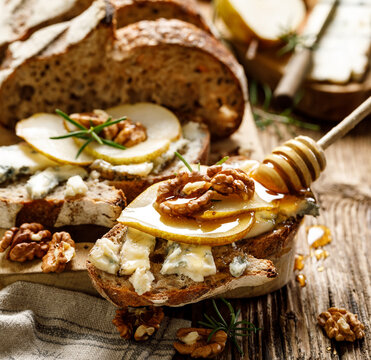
<point x="245" y="141"/>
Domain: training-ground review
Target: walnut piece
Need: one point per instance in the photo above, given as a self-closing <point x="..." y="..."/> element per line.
<point x="193" y="341"/>
<point x="341" y="324"/>
<point x="61" y="251"/>
<point x="126" y="132"/>
<point x="138" y="323"/>
<point x="28" y="241"/>
<point x="199" y="190"/>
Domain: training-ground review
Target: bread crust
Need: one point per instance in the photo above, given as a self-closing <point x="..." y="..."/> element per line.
<point x="131" y="11"/>
<point x="121" y="293"/>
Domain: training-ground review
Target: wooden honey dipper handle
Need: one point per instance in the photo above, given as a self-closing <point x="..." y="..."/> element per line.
<point x="298" y="162"/>
<point x="346" y="125"/>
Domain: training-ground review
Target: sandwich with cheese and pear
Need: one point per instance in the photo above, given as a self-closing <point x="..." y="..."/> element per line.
<point x="206" y="232"/>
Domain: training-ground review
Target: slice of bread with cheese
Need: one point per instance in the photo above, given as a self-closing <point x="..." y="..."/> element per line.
<point x="80" y="65"/>
<point x="178" y="290"/>
<point x="151" y="259"/>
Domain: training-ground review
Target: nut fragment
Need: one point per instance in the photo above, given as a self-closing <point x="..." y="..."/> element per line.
<point x="199" y="190"/>
<point x="139" y="323"/>
<point x="61" y="251"/>
<point x="125" y="132"/>
<point x="28" y="241"/>
<point x="341" y="324"/>
<point x="199" y="347"/>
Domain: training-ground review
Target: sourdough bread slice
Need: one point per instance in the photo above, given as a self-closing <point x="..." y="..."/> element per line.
<point x="101" y="205"/>
<point x="174" y="290"/>
<point x="131" y="11"/>
<point x="79" y="66"/>
<point x="194" y="147"/>
<point x="19" y="19"/>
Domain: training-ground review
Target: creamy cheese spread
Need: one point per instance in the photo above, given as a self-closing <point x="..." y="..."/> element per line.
<point x="75" y="186"/>
<point x="141" y="280"/>
<point x="135" y="251"/>
<point x="105" y="255"/>
<point x="194" y="261"/>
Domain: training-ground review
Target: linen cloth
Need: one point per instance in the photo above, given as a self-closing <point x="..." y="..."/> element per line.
<point x="42" y="322"/>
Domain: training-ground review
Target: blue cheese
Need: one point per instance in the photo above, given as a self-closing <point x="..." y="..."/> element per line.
<point x="75" y="186"/>
<point x="238" y="266"/>
<point x="21" y="159"/>
<point x="135" y="251"/>
<point x="194" y="261"/>
<point x="42" y="183"/>
<point x="142" y="280"/>
<point x="105" y="255"/>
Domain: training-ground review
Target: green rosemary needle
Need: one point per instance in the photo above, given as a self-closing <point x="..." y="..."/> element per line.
<point x="233" y="329"/>
<point x="91" y="134"/>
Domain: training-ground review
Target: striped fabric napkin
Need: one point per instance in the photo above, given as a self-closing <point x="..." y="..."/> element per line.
<point x="42" y="322"/>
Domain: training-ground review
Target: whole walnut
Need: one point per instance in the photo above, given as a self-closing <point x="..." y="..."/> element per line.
<point x="27" y="242"/>
<point x="341" y="324"/>
<point x="138" y="323"/>
<point x="61" y="251"/>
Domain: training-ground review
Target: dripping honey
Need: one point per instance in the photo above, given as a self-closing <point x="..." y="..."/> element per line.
<point x="301" y="279"/>
<point x="299" y="262"/>
<point x="318" y="235"/>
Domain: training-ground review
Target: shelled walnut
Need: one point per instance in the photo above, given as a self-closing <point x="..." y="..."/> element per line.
<point x="126" y="132"/>
<point x="193" y="341"/>
<point x="61" y="251"/>
<point x="138" y="323"/>
<point x="27" y="242"/>
<point x="341" y="324"/>
<point x="199" y="190"/>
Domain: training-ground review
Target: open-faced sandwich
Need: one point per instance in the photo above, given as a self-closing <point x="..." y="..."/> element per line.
<point x="208" y="231"/>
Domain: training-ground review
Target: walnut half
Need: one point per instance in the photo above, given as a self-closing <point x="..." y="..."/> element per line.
<point x="61" y="251"/>
<point x="138" y="323"/>
<point x="341" y="324"/>
<point x="27" y="242"/>
<point x="193" y="341"/>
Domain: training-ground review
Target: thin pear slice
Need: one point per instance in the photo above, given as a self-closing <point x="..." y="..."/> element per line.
<point x="141" y="215"/>
<point x="232" y="206"/>
<point x="37" y="130"/>
<point x="266" y="20"/>
<point x="162" y="127"/>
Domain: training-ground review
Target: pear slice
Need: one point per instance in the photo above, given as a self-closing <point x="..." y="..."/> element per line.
<point x="37" y="130"/>
<point x="232" y="206"/>
<point x="162" y="127"/>
<point x="266" y="20"/>
<point x="141" y="215"/>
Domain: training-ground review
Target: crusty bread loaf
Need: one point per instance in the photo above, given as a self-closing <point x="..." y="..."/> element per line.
<point x="168" y="62"/>
<point x="195" y="151"/>
<point x="131" y="11"/>
<point x="19" y="19"/>
<point x="174" y="290"/>
<point x="101" y="205"/>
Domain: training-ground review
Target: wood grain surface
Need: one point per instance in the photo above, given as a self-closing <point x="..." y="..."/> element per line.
<point x="288" y="316"/>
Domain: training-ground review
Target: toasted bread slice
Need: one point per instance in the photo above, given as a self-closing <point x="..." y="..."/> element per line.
<point x="131" y="11"/>
<point x="168" y="62"/>
<point x="101" y="205"/>
<point x="174" y="290"/>
<point x="195" y="150"/>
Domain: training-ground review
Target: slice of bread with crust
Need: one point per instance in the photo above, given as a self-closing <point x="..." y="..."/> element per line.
<point x="131" y="11"/>
<point x="101" y="205"/>
<point x="19" y="19"/>
<point x="195" y="150"/>
<point x="174" y="290"/>
<point x="168" y="62"/>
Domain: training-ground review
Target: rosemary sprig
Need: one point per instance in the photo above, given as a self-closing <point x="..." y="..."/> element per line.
<point x="185" y="162"/>
<point x="233" y="328"/>
<point x="91" y="134"/>
<point x="292" y="40"/>
<point x="222" y="161"/>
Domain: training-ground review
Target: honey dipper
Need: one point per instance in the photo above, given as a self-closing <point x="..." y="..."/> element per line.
<point x="297" y="163"/>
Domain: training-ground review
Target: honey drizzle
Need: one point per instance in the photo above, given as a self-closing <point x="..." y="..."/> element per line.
<point x="301" y="279"/>
<point x="299" y="262"/>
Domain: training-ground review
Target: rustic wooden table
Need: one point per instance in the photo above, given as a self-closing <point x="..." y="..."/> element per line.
<point x="288" y="316"/>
